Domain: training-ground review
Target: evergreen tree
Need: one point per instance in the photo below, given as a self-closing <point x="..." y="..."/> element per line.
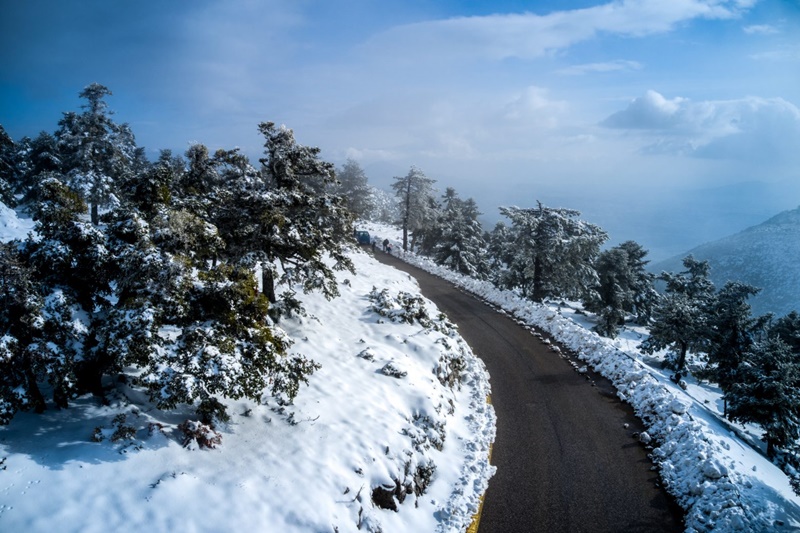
<point x="38" y="158"/>
<point x="384" y="207"/>
<point x="287" y="218"/>
<point x="551" y="252"/>
<point x="355" y="191"/>
<point x="500" y="248"/>
<point x="625" y="288"/>
<point x="70" y="262"/>
<point x="428" y="235"/>
<point x="9" y="171"/>
<point x="197" y="188"/>
<point x="94" y="150"/>
<point x="731" y="332"/>
<point x="460" y="244"/>
<point x="787" y="328"/>
<point x="225" y="348"/>
<point x="414" y="192"/>
<point x="767" y="392"/>
<point x="679" y="320"/>
<point x="21" y="323"/>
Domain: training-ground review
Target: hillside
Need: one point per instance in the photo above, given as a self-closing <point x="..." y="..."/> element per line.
<point x="764" y="256"/>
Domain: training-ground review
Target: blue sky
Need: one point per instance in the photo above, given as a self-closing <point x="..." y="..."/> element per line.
<point x="631" y="111"/>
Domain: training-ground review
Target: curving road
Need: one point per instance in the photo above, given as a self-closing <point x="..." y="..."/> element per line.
<point x="566" y="462"/>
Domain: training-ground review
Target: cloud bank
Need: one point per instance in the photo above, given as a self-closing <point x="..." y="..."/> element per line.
<point x="752" y="129"/>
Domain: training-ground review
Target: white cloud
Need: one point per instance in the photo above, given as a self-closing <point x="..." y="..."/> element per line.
<point x="529" y="35"/>
<point x="752" y="128"/>
<point x="608" y="66"/>
<point x="651" y="111"/>
<point x="533" y="105"/>
<point x="760" y="29"/>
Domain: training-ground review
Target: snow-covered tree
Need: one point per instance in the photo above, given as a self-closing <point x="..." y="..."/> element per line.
<point x="680" y="318"/>
<point x="199" y="332"/>
<point x="731" y="333"/>
<point x="70" y="262"/>
<point x="384" y="207"/>
<point x="414" y="193"/>
<point x="625" y="288"/>
<point x="94" y="150"/>
<point x="460" y="244"/>
<point x="20" y="325"/>
<point x="353" y="188"/>
<point x="9" y="170"/>
<point x="287" y="220"/>
<point x="551" y="252"/>
<point x="787" y="328"/>
<point x="225" y="348"/>
<point x="37" y="158"/>
<point x="767" y="392"/>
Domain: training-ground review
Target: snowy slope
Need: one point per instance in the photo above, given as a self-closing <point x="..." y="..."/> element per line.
<point x="716" y="471"/>
<point x="764" y="256"/>
<point x="311" y="466"/>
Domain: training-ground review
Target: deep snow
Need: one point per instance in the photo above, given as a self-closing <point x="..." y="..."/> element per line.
<point x="310" y="466"/>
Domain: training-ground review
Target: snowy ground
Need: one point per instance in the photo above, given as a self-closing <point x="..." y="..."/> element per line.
<point x="717" y="471"/>
<point x="384" y="410"/>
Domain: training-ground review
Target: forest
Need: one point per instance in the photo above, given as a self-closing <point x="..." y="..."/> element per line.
<point x="172" y="274"/>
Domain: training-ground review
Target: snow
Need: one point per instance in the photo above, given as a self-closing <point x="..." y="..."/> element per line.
<point x="717" y="471"/>
<point x="308" y="466"/>
<point x="378" y="407"/>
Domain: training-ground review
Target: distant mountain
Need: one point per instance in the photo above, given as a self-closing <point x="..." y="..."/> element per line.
<point x="766" y="256"/>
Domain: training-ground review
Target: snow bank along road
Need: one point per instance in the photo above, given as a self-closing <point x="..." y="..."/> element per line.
<point x="565" y="455"/>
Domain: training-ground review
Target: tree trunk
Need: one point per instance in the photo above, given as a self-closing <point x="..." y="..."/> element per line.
<point x="95" y="215"/>
<point x="268" y="284"/>
<point x="538" y="280"/>
<point x="37" y="399"/>
<point x="682" y="356"/>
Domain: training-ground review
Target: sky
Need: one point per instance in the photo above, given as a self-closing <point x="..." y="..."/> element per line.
<point x="670" y="122"/>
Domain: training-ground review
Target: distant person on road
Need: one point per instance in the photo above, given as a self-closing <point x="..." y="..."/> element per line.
<point x="389" y="248"/>
<point x="373" y="244"/>
<point x="385" y="245"/>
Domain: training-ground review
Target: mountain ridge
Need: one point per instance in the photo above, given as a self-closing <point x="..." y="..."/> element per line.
<point x="765" y="256"/>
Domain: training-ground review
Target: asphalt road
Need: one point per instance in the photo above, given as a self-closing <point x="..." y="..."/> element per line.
<point x="566" y="462"/>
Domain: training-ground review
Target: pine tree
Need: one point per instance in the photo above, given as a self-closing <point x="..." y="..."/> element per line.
<point x="70" y="262"/>
<point x="287" y="218"/>
<point x="21" y="322"/>
<point x="767" y="392"/>
<point x="9" y="170"/>
<point x="551" y="252"/>
<point x="461" y="245"/>
<point x="94" y="150"/>
<point x="225" y="348"/>
<point x="38" y="158"/>
<point x="384" y="207"/>
<point x="197" y="188"/>
<point x="355" y="191"/>
<point x="625" y="288"/>
<point x="414" y="193"/>
<point x="731" y="332"/>
<point x="787" y="328"/>
<point x="679" y="320"/>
